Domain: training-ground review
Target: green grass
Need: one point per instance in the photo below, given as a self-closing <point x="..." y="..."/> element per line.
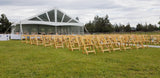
<point x="20" y="60"/>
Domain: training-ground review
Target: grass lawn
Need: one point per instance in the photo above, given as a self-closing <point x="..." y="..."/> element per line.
<point x="20" y="60"/>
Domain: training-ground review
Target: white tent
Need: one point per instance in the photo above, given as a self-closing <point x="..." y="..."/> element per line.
<point x="50" y="22"/>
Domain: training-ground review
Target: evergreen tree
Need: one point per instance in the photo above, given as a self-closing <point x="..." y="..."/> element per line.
<point x="150" y="27"/>
<point x="121" y="28"/>
<point x="155" y="28"/>
<point x="5" y="24"/>
<point x="139" y="27"/>
<point x="100" y="24"/>
<point x="159" y="25"/>
<point x="145" y="28"/>
<point x="108" y="26"/>
<point x="128" y="28"/>
<point x="116" y="28"/>
<point x="90" y="27"/>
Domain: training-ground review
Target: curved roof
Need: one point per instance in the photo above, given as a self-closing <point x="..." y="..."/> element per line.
<point x="53" y="17"/>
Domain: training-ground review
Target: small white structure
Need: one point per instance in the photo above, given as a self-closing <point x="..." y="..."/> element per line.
<point x="50" y="22"/>
<point x="4" y="37"/>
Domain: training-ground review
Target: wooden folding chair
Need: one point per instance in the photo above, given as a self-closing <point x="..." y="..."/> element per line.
<point x="23" y="38"/>
<point x="39" y="39"/>
<point x="47" y="40"/>
<point x="74" y="43"/>
<point x="102" y="44"/>
<point x="137" y="41"/>
<point x="155" y="39"/>
<point x="159" y="39"/>
<point x="32" y="39"/>
<point x="127" y="41"/>
<point x="87" y="45"/>
<point x="58" y="42"/>
<point x="115" y="43"/>
<point x="146" y="39"/>
<point x="124" y="42"/>
<point x="66" y="40"/>
<point x="27" y="39"/>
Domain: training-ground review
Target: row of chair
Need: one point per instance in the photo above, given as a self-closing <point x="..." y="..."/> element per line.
<point x="93" y="43"/>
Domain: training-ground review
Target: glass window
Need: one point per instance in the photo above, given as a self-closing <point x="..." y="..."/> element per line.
<point x="59" y="16"/>
<point x="43" y="17"/>
<point x="51" y="15"/>
<point x="66" y="18"/>
<point x="34" y="19"/>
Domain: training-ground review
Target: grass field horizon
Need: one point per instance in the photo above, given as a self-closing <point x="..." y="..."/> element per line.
<point x="19" y="60"/>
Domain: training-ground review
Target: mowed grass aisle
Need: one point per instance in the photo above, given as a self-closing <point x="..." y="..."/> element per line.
<point x="20" y="60"/>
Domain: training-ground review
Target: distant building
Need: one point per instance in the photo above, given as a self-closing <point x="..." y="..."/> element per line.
<point x="50" y="22"/>
<point x="133" y="29"/>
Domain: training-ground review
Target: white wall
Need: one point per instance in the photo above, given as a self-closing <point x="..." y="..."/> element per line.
<point x="15" y="36"/>
<point x="4" y="37"/>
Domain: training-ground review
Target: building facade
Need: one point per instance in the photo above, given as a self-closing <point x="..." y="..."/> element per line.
<point x="50" y="22"/>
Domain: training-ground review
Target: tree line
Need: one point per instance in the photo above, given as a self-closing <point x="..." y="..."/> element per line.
<point x="103" y="25"/>
<point x="98" y="25"/>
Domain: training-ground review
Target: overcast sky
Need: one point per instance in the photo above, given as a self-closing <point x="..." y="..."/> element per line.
<point x="119" y="11"/>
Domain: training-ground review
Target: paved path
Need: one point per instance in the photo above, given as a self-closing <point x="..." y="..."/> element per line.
<point x="153" y="46"/>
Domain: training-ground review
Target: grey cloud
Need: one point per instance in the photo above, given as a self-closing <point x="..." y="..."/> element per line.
<point x="74" y="4"/>
<point x="118" y="10"/>
<point x="22" y="2"/>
